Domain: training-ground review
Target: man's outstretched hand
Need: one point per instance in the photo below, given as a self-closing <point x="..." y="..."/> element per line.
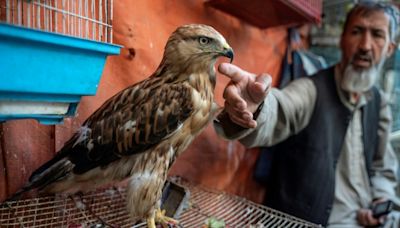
<point x="244" y="93"/>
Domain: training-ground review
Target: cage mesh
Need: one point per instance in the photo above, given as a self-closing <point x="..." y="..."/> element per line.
<point x="107" y="207"/>
<point x="88" y="19"/>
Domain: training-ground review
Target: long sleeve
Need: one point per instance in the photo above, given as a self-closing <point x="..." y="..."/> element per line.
<point x="385" y="164"/>
<point x="285" y="112"/>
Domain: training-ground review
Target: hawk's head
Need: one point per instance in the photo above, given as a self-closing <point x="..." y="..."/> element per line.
<point x="196" y="42"/>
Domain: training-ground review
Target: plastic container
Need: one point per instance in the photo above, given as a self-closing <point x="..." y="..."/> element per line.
<point x="43" y="75"/>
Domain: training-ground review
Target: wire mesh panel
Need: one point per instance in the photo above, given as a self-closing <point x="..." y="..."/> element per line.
<point x="234" y="211"/>
<point x="107" y="209"/>
<point x="88" y="19"/>
<point x="104" y="207"/>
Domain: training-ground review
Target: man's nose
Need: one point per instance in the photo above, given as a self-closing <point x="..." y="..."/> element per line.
<point x="365" y="42"/>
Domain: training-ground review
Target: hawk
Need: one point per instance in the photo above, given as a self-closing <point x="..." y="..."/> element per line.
<point x="140" y="131"/>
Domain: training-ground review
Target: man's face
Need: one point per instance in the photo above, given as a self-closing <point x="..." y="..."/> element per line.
<point x="365" y="45"/>
<point x="366" y="41"/>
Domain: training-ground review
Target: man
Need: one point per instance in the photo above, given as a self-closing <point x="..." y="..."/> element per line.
<point x="334" y="159"/>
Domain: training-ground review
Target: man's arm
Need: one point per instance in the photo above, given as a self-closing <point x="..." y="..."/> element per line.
<point x="283" y="113"/>
<point x="385" y="163"/>
<point x="384" y="167"/>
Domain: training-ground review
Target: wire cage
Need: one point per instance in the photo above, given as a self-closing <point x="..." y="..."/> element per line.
<point x="107" y="208"/>
<point x="88" y="19"/>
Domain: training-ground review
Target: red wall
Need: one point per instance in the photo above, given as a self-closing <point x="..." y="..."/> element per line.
<point x="143" y="27"/>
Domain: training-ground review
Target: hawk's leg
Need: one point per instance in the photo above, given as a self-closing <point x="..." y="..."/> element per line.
<point x="151" y="222"/>
<point x="163" y="220"/>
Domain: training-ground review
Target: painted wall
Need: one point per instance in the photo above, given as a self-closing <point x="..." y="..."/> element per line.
<point x="143" y="27"/>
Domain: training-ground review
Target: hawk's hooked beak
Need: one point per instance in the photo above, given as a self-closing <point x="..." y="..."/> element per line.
<point x="228" y="52"/>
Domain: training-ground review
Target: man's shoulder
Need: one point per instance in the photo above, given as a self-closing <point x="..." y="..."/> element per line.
<point x="329" y="71"/>
<point x="324" y="78"/>
<point x="300" y="85"/>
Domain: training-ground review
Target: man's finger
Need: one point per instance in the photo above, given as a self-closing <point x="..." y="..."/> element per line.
<point x="232" y="96"/>
<point x="362" y="217"/>
<point x="371" y="220"/>
<point x="242" y="118"/>
<point x="235" y="73"/>
<point x="260" y="88"/>
<point x="365" y="218"/>
<point x="243" y="121"/>
<point x="231" y="109"/>
<point x="265" y="81"/>
<point x="239" y="121"/>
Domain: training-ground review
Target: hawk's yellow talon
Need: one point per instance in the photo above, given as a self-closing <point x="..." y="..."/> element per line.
<point x="164" y="220"/>
<point x="151" y="223"/>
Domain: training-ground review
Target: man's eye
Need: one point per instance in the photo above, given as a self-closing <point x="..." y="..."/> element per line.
<point x="378" y="34"/>
<point x="204" y="40"/>
<point x="355" y="31"/>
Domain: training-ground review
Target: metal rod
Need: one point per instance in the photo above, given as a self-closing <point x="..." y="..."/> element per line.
<point x="80" y="19"/>
<point x="12" y="11"/>
<point x="93" y="24"/>
<point x="8" y="11"/>
<point x="20" y="13"/>
<point x="72" y="18"/>
<point x="63" y="16"/>
<point x="36" y="210"/>
<point x="86" y="15"/>
<point x="46" y="19"/>
<point x="100" y="34"/>
<point x="106" y="20"/>
<point x="76" y="22"/>
<point x="55" y="17"/>
<point x="110" y="21"/>
<point x="38" y="16"/>
<point x="68" y="18"/>
<point x="28" y="16"/>
<point x="51" y="17"/>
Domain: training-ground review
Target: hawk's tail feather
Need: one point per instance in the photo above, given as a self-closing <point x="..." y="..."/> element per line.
<point x="40" y="180"/>
<point x="44" y="177"/>
<point x="16" y="196"/>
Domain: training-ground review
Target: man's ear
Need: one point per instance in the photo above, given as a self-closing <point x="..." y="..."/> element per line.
<point x="392" y="47"/>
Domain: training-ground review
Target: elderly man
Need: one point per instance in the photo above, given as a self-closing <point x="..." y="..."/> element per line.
<point x="334" y="160"/>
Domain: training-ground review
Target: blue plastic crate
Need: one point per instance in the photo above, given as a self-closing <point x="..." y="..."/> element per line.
<point x="46" y="74"/>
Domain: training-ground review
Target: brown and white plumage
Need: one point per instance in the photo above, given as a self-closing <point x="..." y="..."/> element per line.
<point x="139" y="132"/>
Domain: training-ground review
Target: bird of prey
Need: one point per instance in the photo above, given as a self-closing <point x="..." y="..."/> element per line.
<point x="139" y="132"/>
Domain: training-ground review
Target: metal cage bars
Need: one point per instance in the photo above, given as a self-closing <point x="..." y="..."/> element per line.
<point x="88" y="19"/>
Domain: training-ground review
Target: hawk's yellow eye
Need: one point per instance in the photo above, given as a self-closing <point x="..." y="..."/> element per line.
<point x="204" y="40"/>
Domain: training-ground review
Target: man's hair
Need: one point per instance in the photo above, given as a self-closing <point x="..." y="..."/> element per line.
<point x="365" y="7"/>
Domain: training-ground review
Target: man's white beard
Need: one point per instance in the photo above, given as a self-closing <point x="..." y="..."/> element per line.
<point x="358" y="81"/>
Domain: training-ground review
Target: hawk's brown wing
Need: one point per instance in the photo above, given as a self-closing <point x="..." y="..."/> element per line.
<point x="131" y="122"/>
